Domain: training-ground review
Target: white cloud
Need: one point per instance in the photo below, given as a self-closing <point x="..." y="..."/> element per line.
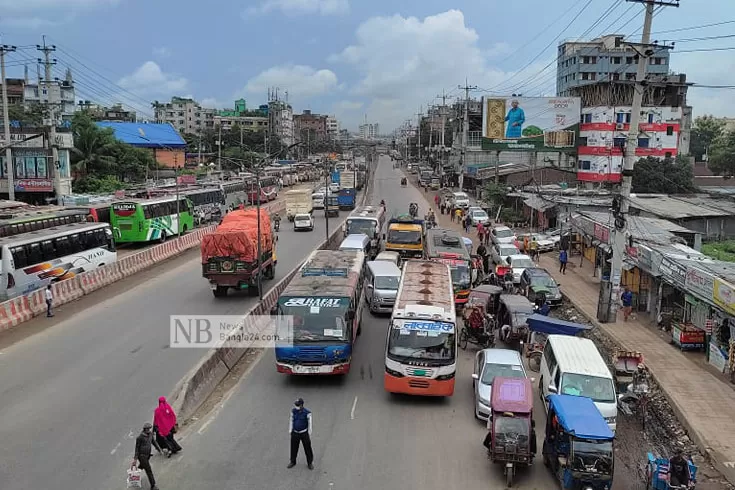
<point x="211" y="103"/>
<point x="404" y="62"/>
<point x="161" y="52"/>
<point x="149" y="79"/>
<point x="299" y="80"/>
<point x="298" y="7"/>
<point x="707" y="69"/>
<point x="33" y="14"/>
<point x="348" y="105"/>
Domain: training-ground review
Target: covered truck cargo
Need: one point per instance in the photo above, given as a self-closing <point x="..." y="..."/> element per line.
<point x="237" y="236"/>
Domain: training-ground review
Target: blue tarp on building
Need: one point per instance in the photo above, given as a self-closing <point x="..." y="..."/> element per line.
<point x="146" y="135"/>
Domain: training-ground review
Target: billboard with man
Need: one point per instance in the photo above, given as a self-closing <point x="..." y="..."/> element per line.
<point x="530" y="123"/>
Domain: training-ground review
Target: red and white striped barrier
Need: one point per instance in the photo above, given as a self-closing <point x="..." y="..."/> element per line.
<point x="67" y="291"/>
<point x="14" y="312"/>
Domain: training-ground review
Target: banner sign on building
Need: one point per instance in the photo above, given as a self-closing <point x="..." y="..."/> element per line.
<point x="602" y="233"/>
<point x="17" y="140"/>
<point x="724" y="296"/>
<point x="701" y="283"/>
<point x="530" y="123"/>
<point x="674" y="271"/>
<point x="34" y="185"/>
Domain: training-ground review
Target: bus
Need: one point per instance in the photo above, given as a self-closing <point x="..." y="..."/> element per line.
<point x="209" y="203"/>
<point x="236" y="192"/>
<point x="33" y="260"/>
<point x="268" y="189"/>
<point x="40" y="220"/>
<point x="421" y="348"/>
<point x="149" y="220"/>
<point x="323" y="305"/>
<point x="448" y="246"/>
<point x="368" y="220"/>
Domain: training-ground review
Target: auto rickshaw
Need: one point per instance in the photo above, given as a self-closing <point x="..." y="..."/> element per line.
<point x="512" y="438"/>
<point x="481" y="306"/>
<point x="539" y="328"/>
<point x="578" y="444"/>
<point x="513" y="311"/>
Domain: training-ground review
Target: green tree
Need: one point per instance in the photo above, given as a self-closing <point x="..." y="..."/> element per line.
<point x="29" y="115"/>
<point x="705" y="131"/>
<point x="722" y="155"/>
<point x="653" y="175"/>
<point x="494" y="194"/>
<point x="92" y="146"/>
<point x="94" y="185"/>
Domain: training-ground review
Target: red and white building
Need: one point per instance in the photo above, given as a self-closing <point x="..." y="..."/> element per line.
<point x="603" y="133"/>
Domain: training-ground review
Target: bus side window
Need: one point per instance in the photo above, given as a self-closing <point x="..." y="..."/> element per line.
<point x="19" y="257"/>
<point x="47" y="250"/>
<point x="75" y="245"/>
<point x="148" y="211"/>
<point x="62" y="246"/>
<point x="34" y="253"/>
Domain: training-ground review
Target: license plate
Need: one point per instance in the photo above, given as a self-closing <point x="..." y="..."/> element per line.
<point x="308" y="369"/>
<point x="419" y="372"/>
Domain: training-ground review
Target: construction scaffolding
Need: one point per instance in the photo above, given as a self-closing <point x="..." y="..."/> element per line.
<point x="659" y="91"/>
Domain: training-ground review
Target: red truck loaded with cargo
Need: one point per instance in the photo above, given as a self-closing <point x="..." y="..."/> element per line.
<point x="230" y="253"/>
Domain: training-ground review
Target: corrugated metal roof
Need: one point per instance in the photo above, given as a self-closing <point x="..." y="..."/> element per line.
<point x="641" y="228"/>
<point x="146" y="135"/>
<point x="675" y="207"/>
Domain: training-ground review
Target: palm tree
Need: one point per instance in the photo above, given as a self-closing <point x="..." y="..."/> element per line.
<point x="91" y="147"/>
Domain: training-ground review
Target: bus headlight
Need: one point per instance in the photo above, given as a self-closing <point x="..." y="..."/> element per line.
<point x="445" y="377"/>
<point x="395" y="374"/>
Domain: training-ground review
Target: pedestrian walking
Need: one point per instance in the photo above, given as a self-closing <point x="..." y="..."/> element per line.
<point x="452" y="215"/>
<point x="534" y="249"/>
<point x="436" y="200"/>
<point x="164" y="426"/>
<point x="49" y="301"/>
<point x="563" y="258"/>
<point x="299" y="426"/>
<point x="467" y="224"/>
<point x="487" y="238"/>
<point x="458" y="215"/>
<point x="627" y="299"/>
<point x="144" y="444"/>
<point x="480" y="232"/>
<point x="443" y="207"/>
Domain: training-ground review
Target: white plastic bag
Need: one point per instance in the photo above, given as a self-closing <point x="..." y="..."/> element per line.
<point x="134" y="477"/>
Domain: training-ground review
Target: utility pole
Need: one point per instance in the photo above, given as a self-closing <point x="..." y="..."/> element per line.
<point x="219" y="147"/>
<point x="418" y="137"/>
<point x="621" y="203"/>
<point x="51" y="104"/>
<point x="465" y="129"/>
<point x="9" y="167"/>
<point x="443" y="97"/>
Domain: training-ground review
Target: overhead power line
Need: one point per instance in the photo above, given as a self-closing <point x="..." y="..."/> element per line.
<point x="692" y="28"/>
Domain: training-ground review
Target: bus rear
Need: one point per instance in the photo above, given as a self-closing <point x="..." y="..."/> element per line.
<point x="421" y="346"/>
<point x="318" y="314"/>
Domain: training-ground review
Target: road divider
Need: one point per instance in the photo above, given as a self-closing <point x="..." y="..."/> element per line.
<point x="23" y="308"/>
<point x="201" y="381"/>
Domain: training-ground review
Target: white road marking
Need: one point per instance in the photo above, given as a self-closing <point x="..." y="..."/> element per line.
<point x="116" y="448"/>
<point x="352" y="412"/>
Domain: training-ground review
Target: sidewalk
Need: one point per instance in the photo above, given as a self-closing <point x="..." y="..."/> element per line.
<point x="703" y="403"/>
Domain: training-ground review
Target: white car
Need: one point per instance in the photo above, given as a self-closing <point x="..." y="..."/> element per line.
<point x="500" y="253"/>
<point x="334" y="188"/>
<point x="502" y="234"/>
<point x="519" y="263"/>
<point x="303" y="221"/>
<point x="489" y="364"/>
<point x="478" y="215"/>
<point x="461" y="200"/>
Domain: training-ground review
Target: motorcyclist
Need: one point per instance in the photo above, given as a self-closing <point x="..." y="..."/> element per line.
<point x="640" y="380"/>
<point x="277" y="221"/>
<point x="382" y="203"/>
<point x="508" y="279"/>
<point x="431" y="217"/>
<point x="679" y="470"/>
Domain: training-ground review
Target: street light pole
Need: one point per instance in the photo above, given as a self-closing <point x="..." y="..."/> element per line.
<point x="326" y="199"/>
<point x="260" y="237"/>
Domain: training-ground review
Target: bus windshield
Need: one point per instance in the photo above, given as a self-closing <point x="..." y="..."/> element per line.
<point x="404" y="237"/>
<point x="433" y="342"/>
<point x="366" y="226"/>
<point x="312" y="323"/>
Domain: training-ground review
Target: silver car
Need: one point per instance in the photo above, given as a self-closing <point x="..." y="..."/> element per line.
<point x="382" y="279"/>
<point x="490" y="363"/>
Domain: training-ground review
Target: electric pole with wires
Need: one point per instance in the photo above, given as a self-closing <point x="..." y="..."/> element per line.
<point x="465" y="130"/>
<point x="51" y="104"/>
<point x="610" y="291"/>
<point x="5" y="49"/>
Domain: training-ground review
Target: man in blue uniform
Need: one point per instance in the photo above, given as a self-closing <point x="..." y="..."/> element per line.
<point x="299" y="426"/>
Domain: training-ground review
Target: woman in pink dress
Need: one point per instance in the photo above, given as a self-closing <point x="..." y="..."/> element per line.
<point x="164" y="424"/>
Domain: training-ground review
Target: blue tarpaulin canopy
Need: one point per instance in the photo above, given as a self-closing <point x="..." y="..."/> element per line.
<point x="579" y="416"/>
<point x="554" y="326"/>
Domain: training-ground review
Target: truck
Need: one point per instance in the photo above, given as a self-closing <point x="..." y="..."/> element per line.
<point x="405" y="236"/>
<point x="361" y="176"/>
<point x="331" y="205"/>
<point x="346" y="195"/>
<point x="230" y="253"/>
<point x="298" y="201"/>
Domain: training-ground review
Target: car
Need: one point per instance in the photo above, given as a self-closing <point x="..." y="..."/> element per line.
<point x="499" y="253"/>
<point x="303" y="221"/>
<point x="334" y="188"/>
<point x="461" y="200"/>
<point x="502" y="234"/>
<point x="536" y="281"/>
<point x="489" y="364"/>
<point x="519" y="263"/>
<point x="545" y="244"/>
<point x="478" y="215"/>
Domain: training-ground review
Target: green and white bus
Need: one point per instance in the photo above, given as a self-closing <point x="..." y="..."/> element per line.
<point x="151" y="220"/>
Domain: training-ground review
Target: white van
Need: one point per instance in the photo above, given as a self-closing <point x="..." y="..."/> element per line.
<point x="317" y="200"/>
<point x="574" y="366"/>
<point x="359" y="242"/>
<point x="392" y="257"/>
<point x="461" y="200"/>
<point x="382" y="279"/>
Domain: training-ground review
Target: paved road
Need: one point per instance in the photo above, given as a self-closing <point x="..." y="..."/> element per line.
<point x="72" y="396"/>
<point x="363" y="437"/>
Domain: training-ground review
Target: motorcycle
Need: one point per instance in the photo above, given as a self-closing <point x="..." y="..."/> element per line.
<point x="413" y="209"/>
<point x="277" y="225"/>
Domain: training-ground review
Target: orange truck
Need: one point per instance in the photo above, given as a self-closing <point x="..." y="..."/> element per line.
<point x="230" y="253"/>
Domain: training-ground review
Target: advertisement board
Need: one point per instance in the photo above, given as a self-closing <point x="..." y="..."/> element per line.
<point x="530" y="123"/>
<point x="34" y="185"/>
<point x="724" y="296"/>
<point x="700" y="282"/>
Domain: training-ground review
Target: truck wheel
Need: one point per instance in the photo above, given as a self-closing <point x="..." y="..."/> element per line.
<point x="220" y="292"/>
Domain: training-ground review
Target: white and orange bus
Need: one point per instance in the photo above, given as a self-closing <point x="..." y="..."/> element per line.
<point x="421" y="348"/>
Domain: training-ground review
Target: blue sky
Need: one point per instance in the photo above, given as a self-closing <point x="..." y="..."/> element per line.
<point x="379" y="59"/>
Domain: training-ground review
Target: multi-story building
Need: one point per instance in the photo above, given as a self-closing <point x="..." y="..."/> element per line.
<point x="101" y="113"/>
<point x="607" y="58"/>
<point x="281" y="116"/>
<point x="369" y="131"/>
<point x="310" y="127"/>
<point x="664" y="131"/>
<point x="332" y="127"/>
<point x="60" y="92"/>
<point x="247" y="123"/>
<point x="185" y="115"/>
